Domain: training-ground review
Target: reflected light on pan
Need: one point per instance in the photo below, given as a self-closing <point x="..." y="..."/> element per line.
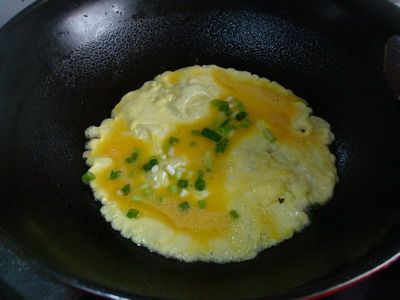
<point x="89" y="22"/>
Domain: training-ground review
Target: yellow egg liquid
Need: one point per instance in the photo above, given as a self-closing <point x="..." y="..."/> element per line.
<point x="262" y="101"/>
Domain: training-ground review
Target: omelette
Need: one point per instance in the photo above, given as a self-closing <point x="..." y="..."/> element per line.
<point x="210" y="164"/>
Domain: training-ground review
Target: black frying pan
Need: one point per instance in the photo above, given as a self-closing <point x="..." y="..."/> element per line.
<point x="65" y="64"/>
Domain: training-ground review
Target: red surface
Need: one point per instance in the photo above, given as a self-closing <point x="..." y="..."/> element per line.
<point x="354" y="281"/>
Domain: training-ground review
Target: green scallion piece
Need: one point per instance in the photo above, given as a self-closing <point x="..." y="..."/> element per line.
<point x="131" y="159"/>
<point x="211" y="134"/>
<point x="234" y="214"/>
<point x="150" y="164"/>
<point x="132" y="213"/>
<point x="184" y="205"/>
<point x="88" y="177"/>
<point x="114" y="174"/>
<point x="145" y="186"/>
<point x="225" y="123"/>
<point x="136" y="198"/>
<point x="173" y="188"/>
<point x="126" y="189"/>
<point x="200" y="184"/>
<point x="245" y="123"/>
<point x="202" y="203"/>
<point x="269" y="136"/>
<point x="225" y="127"/>
<point x="240" y="116"/>
<point x="207" y="159"/>
<point x="221" y="145"/>
<point x="223" y="106"/>
<point x="173" y="140"/>
<point x="238" y="105"/>
<point x="147" y="192"/>
<point x="183" y="183"/>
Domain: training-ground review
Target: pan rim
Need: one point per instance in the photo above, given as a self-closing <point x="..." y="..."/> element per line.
<point x="27" y="10"/>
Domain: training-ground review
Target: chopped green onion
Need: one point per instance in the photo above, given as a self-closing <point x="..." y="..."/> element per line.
<point x="173" y="140"/>
<point x="225" y="127"/>
<point x="234" y="214"/>
<point x="88" y="177"/>
<point x="222" y="105"/>
<point x="183" y="183"/>
<point x="173" y="188"/>
<point x="126" y="189"/>
<point x="147" y="192"/>
<point x="114" y="174"/>
<point x="150" y="164"/>
<point x="240" y="116"/>
<point x="202" y="203"/>
<point x="239" y="106"/>
<point x="166" y="147"/>
<point x="196" y="132"/>
<point x="207" y="159"/>
<point x="211" y="134"/>
<point x="269" y="136"/>
<point x="221" y="146"/>
<point x="184" y="205"/>
<point x="136" y="198"/>
<point x="225" y="123"/>
<point x="134" y="156"/>
<point x="245" y="123"/>
<point x="217" y="121"/>
<point x="145" y="186"/>
<point x="200" y="184"/>
<point x="132" y="213"/>
<point x="161" y="198"/>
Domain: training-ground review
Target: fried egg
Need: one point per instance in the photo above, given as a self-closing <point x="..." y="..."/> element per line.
<point x="210" y="164"/>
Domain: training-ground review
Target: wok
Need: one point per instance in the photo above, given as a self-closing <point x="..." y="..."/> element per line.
<point x="65" y="64"/>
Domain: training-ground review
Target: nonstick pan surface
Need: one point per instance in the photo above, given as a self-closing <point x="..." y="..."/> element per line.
<point x="65" y="64"/>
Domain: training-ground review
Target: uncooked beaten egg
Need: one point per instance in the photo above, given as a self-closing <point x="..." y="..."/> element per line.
<point x="210" y="164"/>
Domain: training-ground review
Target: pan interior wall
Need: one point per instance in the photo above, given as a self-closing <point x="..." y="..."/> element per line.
<point x="67" y="63"/>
